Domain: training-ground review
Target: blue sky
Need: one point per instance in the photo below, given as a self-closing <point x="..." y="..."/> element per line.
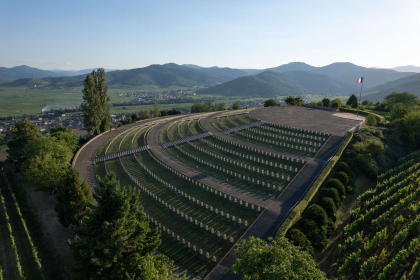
<point x="75" y="35"/>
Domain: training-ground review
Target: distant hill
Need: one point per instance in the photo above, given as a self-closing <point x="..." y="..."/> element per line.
<point x="408" y="68"/>
<point x="23" y="71"/>
<point x="159" y="75"/>
<point x="266" y="84"/>
<point x="410" y="84"/>
<point x="319" y="83"/>
<point x="346" y="72"/>
<point x="225" y="74"/>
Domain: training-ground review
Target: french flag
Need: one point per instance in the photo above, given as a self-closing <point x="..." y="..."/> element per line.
<point x="360" y="81"/>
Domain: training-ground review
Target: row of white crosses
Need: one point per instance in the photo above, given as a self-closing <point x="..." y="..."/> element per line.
<point x="297" y="129"/>
<point x="193" y="199"/>
<point x="226" y="150"/>
<point x="269" y="141"/>
<point x="237" y="163"/>
<point x="286" y="138"/>
<point x="181" y="213"/>
<point x="257" y="150"/>
<point x="291" y="133"/>
<point x="232" y="173"/>
<point x="205" y="187"/>
<point x="182" y="240"/>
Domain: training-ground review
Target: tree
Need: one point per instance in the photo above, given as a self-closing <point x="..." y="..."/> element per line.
<point x="278" y="259"/>
<point x="47" y="162"/>
<point x="408" y="100"/>
<point x="410" y="126"/>
<point x="352" y="101"/>
<point x="156" y="112"/>
<point x="333" y="193"/>
<point x="298" y="238"/>
<point x="2" y="142"/>
<point x="66" y="135"/>
<point x="338" y="185"/>
<point x="329" y="206"/>
<point x="398" y="111"/>
<point x="326" y="102"/>
<point x="73" y="197"/>
<point x="336" y="103"/>
<point x="317" y="213"/>
<point x="271" y="102"/>
<point x="370" y="120"/>
<point x="319" y="103"/>
<point x="144" y="115"/>
<point x="197" y="107"/>
<point x="315" y="233"/>
<point x="134" y="117"/>
<point x="221" y="106"/>
<point x="236" y="106"/>
<point x="294" y="101"/>
<point x="342" y="176"/>
<point x="95" y="106"/>
<point x="18" y="137"/>
<point x="115" y="240"/>
<point x="207" y="106"/>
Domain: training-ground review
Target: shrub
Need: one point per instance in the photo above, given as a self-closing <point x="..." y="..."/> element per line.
<point x="298" y="238"/>
<point x="336" y="184"/>
<point x="317" y="213"/>
<point x="329" y="206"/>
<point x="326" y="102"/>
<point x="342" y="176"/>
<point x="330" y="227"/>
<point x="314" y="233"/>
<point x="370" y="120"/>
<point x="333" y="193"/>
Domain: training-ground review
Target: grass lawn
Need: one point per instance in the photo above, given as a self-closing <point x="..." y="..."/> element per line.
<point x="195" y="127"/>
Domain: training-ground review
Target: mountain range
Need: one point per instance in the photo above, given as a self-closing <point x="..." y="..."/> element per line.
<point x="295" y="78"/>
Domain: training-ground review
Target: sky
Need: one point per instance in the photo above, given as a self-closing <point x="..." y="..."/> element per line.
<point x="74" y="35"/>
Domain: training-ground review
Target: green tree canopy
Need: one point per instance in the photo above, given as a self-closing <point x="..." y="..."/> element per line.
<point x="336" y="103"/>
<point x="18" y="137"/>
<point x="47" y="160"/>
<point x="73" y="197"/>
<point x="294" y="101"/>
<point x="271" y="102"/>
<point x="221" y="106"/>
<point x="115" y="240"/>
<point x="156" y="112"/>
<point x="95" y="106"/>
<point x="278" y="259"/>
<point x="370" y="120"/>
<point x="407" y="99"/>
<point x="66" y="135"/>
<point x="398" y="111"/>
<point x="319" y="103"/>
<point x="353" y="102"/>
<point x="326" y="102"/>
<point x="144" y="115"/>
<point x="236" y="106"/>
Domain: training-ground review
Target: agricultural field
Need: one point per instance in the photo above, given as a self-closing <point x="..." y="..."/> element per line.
<point x="382" y="239"/>
<point x="199" y="225"/>
<point x="19" y="257"/>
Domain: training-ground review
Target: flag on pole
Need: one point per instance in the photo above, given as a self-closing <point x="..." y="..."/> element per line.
<point x="360" y="80"/>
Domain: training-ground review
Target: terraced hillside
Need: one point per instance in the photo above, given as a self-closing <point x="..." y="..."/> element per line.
<point x="199" y="224"/>
<point x="382" y="240"/>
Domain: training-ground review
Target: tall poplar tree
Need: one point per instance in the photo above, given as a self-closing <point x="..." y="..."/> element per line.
<point x="115" y="240"/>
<point x="97" y="116"/>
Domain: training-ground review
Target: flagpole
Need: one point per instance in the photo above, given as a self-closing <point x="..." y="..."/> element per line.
<point x="360" y="98"/>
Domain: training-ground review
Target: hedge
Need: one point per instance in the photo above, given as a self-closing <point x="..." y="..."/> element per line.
<point x="301" y="206"/>
<point x="381" y="120"/>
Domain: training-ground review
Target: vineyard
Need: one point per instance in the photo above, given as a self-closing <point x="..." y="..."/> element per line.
<point x="382" y="240"/>
<point x="19" y="258"/>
